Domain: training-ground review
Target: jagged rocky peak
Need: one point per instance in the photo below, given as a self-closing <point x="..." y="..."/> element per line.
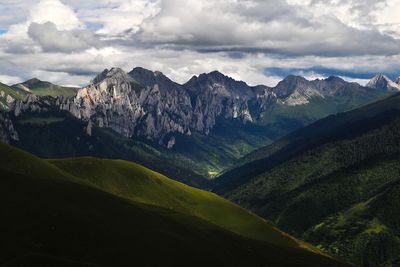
<point x="148" y="78"/>
<point x="215" y="94"/>
<point x="397" y="80"/>
<point x="296" y="90"/>
<point x="289" y="85"/>
<point x="141" y="103"/>
<point x="217" y="77"/>
<point x="115" y="73"/>
<point x="220" y="84"/>
<point x="334" y="79"/>
<point x="333" y="86"/>
<point x="111" y="83"/>
<point x="382" y="82"/>
<point x="145" y="76"/>
<point x="110" y="91"/>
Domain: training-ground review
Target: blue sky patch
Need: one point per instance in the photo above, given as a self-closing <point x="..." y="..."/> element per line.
<point x="93" y="26"/>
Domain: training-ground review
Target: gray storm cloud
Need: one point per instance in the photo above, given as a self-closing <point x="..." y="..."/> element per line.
<point x="51" y="39"/>
<point x="69" y="40"/>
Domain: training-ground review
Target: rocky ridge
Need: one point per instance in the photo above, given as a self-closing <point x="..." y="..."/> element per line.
<point x="382" y="82"/>
<point x="147" y="104"/>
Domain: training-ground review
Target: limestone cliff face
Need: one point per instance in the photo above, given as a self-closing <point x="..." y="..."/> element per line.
<point x="108" y="101"/>
<point x="33" y="103"/>
<point x="148" y="104"/>
<point x="7" y="131"/>
<point x="215" y="94"/>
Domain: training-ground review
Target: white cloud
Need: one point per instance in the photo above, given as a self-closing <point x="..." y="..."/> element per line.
<point x="16" y="39"/>
<point x="242" y="38"/>
<point x="53" y="40"/>
<point x="56" y="12"/>
<point x="120" y="18"/>
<point x="7" y="79"/>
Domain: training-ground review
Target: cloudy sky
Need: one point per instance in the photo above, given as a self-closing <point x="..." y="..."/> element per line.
<point x="258" y="41"/>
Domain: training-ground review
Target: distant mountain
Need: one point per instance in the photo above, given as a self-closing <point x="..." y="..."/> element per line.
<point x="334" y="183"/>
<point x="11" y="94"/>
<point x="122" y="214"/>
<point x="8" y="95"/>
<point x="382" y="82"/>
<point x="42" y="88"/>
<point x="191" y="123"/>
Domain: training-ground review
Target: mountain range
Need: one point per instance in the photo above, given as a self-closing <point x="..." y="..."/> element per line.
<point x="186" y="125"/>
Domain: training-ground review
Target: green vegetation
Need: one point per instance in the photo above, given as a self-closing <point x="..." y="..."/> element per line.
<point x="41" y="120"/>
<point x="55" y="90"/>
<point x="42" y="88"/>
<point x="93" y="212"/>
<point x="15" y="93"/>
<point x="132" y="181"/>
<point x="221" y="148"/>
<point x="332" y="183"/>
<point x="7" y="94"/>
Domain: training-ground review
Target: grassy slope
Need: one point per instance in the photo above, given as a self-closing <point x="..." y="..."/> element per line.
<point x="48" y="211"/>
<point x="322" y="171"/>
<point x="55" y="90"/>
<point x="48" y="89"/>
<point x="9" y="91"/>
<point x="139" y="184"/>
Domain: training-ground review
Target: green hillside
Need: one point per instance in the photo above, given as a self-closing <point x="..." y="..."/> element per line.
<point x="43" y="88"/>
<point x="366" y="232"/>
<point x="117" y="214"/>
<point x="7" y="94"/>
<point x="142" y="185"/>
<point x="330" y="182"/>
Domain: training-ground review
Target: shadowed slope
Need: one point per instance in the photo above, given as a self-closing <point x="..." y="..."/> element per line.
<point x="53" y="216"/>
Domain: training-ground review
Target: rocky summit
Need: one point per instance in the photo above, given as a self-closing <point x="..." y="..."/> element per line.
<point x="382" y="82"/>
<point x="148" y="104"/>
